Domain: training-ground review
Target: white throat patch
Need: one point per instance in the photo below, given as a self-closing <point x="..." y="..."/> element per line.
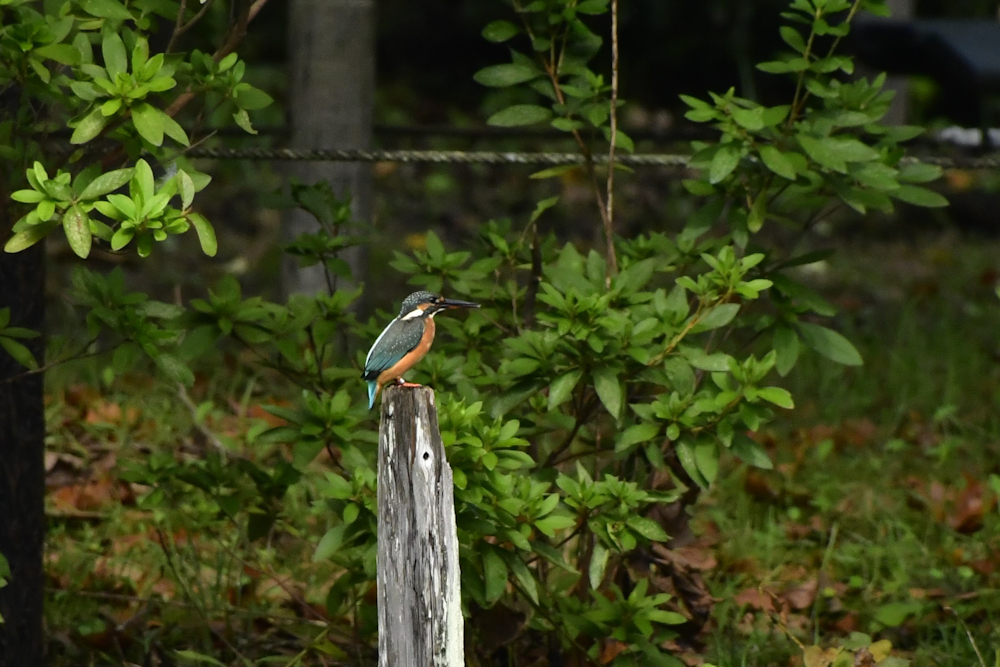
<point x="416" y="312"/>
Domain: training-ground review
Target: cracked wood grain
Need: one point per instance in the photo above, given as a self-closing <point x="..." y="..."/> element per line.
<point x="420" y="621"/>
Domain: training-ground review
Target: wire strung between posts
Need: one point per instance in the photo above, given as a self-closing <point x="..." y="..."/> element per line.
<point x="508" y="158"/>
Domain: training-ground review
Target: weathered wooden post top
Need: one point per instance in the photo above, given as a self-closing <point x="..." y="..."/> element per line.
<point x="420" y="620"/>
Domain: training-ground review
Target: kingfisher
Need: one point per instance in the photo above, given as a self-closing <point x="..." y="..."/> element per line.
<point x="405" y="341"/>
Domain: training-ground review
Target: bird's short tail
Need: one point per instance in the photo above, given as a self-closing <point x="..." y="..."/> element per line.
<point x="372" y="390"/>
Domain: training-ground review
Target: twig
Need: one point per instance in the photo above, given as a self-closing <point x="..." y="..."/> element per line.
<point x="182" y="393"/>
<point x="232" y="40"/>
<point x="179" y="26"/>
<point x="982" y="663"/>
<point x="190" y="596"/>
<point x="609" y="218"/>
<point x="822" y="570"/>
<point x="552" y="71"/>
<point x="58" y="362"/>
<point x="582" y="419"/>
<point x="533" y="281"/>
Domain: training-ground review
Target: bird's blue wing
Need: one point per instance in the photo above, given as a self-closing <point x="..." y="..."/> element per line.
<point x="393" y="343"/>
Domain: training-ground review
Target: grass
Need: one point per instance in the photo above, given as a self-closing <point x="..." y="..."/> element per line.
<point x="885" y="485"/>
<point x="880" y="516"/>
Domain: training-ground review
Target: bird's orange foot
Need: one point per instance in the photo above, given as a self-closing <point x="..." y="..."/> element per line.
<point x="410" y="384"/>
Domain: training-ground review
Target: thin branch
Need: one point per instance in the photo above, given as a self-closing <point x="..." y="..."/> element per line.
<point x="586" y="412"/>
<point x="609" y="217"/>
<point x="168" y="554"/>
<point x="533" y="281"/>
<point x="233" y="39"/>
<point x="58" y="362"/>
<point x="179" y="26"/>
<point x="182" y="393"/>
<point x="552" y="71"/>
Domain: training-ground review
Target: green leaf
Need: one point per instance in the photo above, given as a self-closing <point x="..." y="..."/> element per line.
<point x="67" y="54"/>
<point x="105" y="9"/>
<point x="830" y="344"/>
<point x="776" y="161"/>
<point x="113" y="49"/>
<point x="558" y="170"/>
<point x="750" y="452"/>
<point x="786" y="344"/>
<point x="186" y="187"/>
<point x="77" y="228"/>
<point x="647" y="528"/>
<point x="592" y="7"/>
<point x="122" y="237"/>
<point x="175" y="369"/>
<point x="598" y="565"/>
<point x="89" y="127"/>
<point x="242" y="119"/>
<point x="523" y="575"/>
<point x="187" y="655"/>
<point x="206" y="234"/>
<point x="716" y="316"/>
<point x="636" y="434"/>
<point x="685" y="454"/>
<point x="562" y="387"/>
<point x="723" y="163"/>
<point x="173" y="129"/>
<point x="143" y="180"/>
<point x="706" y="456"/>
<point x="251" y="98"/>
<point x="822" y="153"/>
<point x="106" y="182"/>
<point x="509" y="74"/>
<point x="894" y="613"/>
<point x="750" y="119"/>
<point x="609" y="389"/>
<point x="520" y="114"/>
<point x="28" y="196"/>
<point x="918" y="196"/>
<point x="550" y="524"/>
<point x="19" y="352"/>
<point x="778" y="396"/>
<point x="920" y="173"/>
<point x="500" y="31"/>
<point x="793" y="38"/>
<point x="717" y="362"/>
<point x="543" y="206"/>
<point x="494" y="575"/>
<point x="27" y="238"/>
<point x="148" y="122"/>
<point x="329" y="544"/>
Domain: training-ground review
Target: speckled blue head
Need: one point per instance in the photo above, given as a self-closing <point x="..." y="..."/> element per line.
<point x="414" y="301"/>
<point x="427" y="304"/>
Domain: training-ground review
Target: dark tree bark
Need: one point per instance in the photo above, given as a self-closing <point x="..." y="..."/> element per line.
<point x="331" y="54"/>
<point x="22" y="469"/>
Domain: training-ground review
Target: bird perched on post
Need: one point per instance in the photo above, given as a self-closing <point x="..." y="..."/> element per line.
<point x="405" y="341"/>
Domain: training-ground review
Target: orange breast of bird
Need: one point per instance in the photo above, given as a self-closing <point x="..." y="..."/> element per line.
<point x="411" y="358"/>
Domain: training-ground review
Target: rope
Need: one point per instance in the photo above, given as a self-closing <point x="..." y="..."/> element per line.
<point x="433" y="157"/>
<point x="508" y="158"/>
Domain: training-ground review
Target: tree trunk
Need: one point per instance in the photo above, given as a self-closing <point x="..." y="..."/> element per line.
<point x="332" y="90"/>
<point x="420" y="621"/>
<point x="22" y="470"/>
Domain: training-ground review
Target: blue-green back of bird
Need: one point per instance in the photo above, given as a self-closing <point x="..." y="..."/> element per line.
<point x="401" y="336"/>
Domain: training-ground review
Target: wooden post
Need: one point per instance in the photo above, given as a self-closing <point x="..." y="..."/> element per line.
<point x="420" y="620"/>
<point x="331" y="97"/>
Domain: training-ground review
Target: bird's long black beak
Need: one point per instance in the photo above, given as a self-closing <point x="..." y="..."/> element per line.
<point x="453" y="303"/>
